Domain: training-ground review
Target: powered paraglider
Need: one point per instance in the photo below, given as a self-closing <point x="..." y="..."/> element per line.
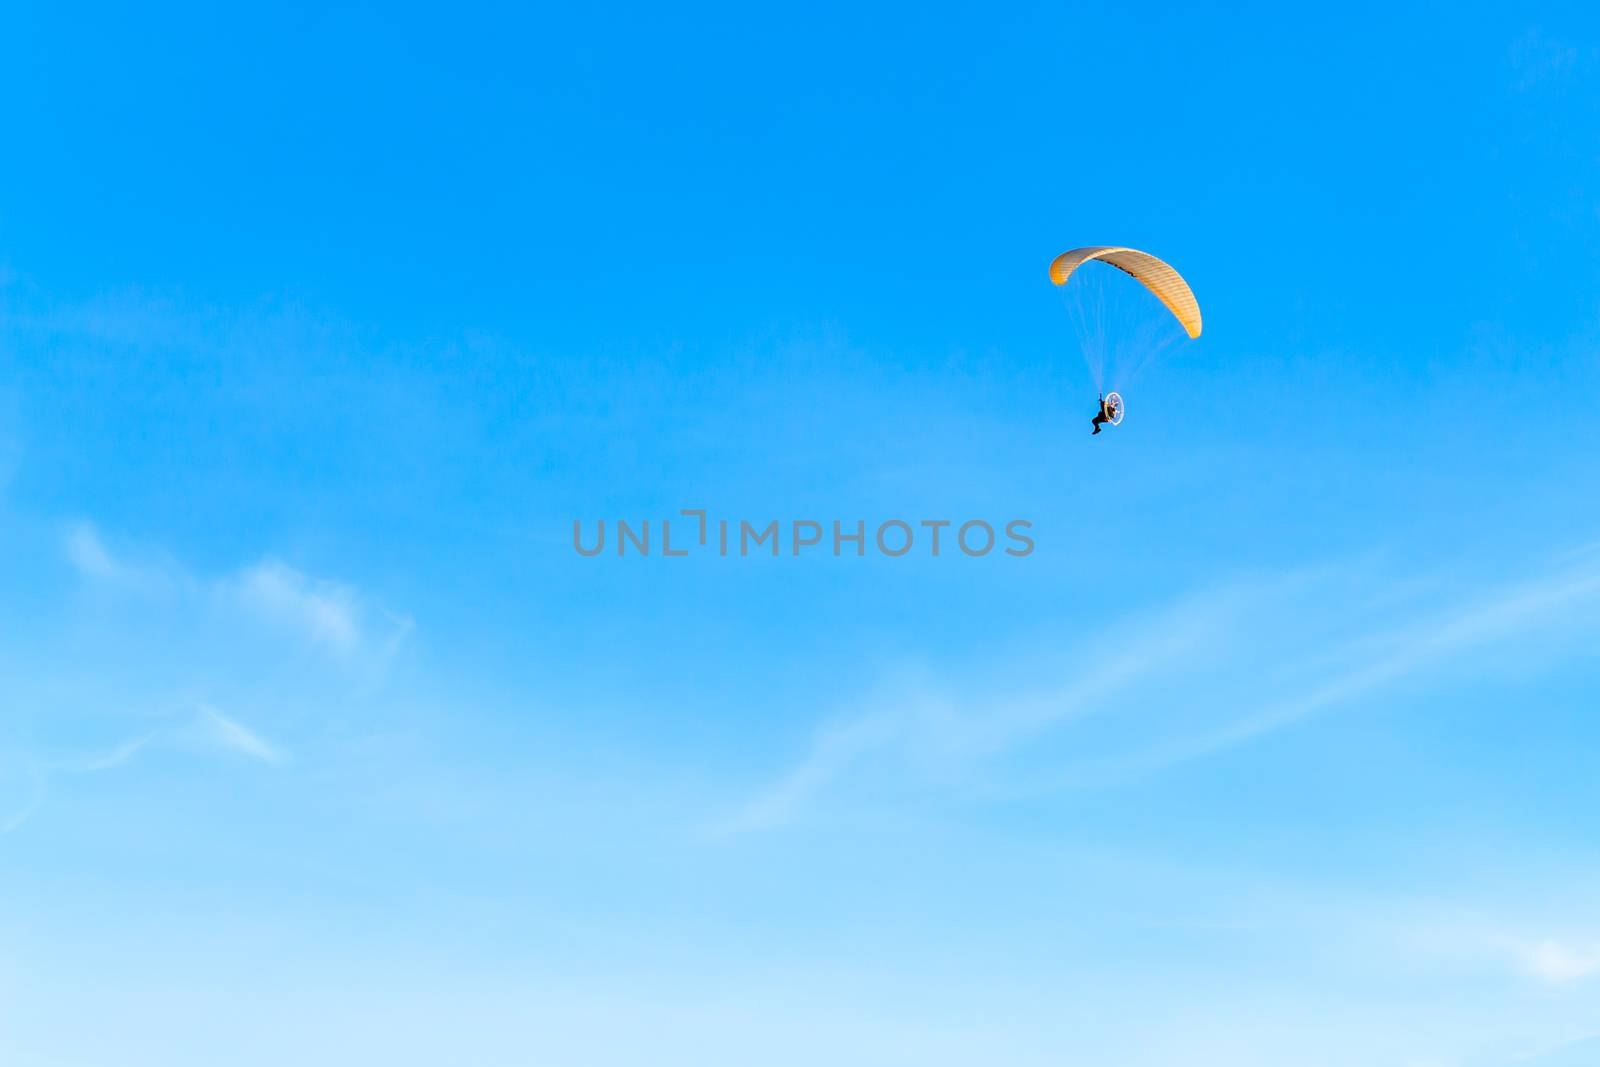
<point x="1120" y="331"/>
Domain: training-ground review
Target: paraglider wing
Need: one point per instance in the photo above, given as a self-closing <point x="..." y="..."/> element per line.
<point x="1167" y="284"/>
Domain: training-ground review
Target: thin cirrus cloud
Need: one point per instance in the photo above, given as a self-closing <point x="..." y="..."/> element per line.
<point x="1544" y="943"/>
<point x="205" y="728"/>
<point x="1582" y="1053"/>
<point x="326" y="614"/>
<point x="1248" y="646"/>
<point x="269" y="596"/>
<point x="1397" y="653"/>
<point x="106" y="760"/>
<point x="92" y="559"/>
<point x="230" y="735"/>
<point x="920" y="721"/>
<point x="1555" y="962"/>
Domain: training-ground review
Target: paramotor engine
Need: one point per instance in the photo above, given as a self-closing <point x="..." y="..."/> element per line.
<point x="1114" y="408"/>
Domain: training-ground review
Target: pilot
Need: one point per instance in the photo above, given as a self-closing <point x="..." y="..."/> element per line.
<point x="1102" y="416"/>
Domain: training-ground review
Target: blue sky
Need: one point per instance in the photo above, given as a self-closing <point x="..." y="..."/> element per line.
<point x="319" y="327"/>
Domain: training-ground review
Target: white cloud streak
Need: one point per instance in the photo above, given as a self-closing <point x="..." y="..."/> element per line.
<point x="923" y="719"/>
<point x="1563" y="953"/>
<point x="105" y="761"/>
<point x="1398" y="655"/>
<point x="324" y="612"/>
<point x="1211" y="655"/>
<point x="88" y="553"/>
<point x="1555" y="962"/>
<point x="34" y="789"/>
<point x="329" y="615"/>
<point x="233" y="736"/>
<point x="206" y="727"/>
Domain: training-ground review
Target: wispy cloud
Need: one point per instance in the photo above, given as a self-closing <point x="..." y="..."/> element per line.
<point x="104" y="761"/>
<point x="927" y="721"/>
<point x="233" y="736"/>
<point x="325" y="612"/>
<point x="330" y="615"/>
<point x="1396" y="654"/>
<point x="203" y="727"/>
<point x="88" y="553"/>
<point x="32" y="781"/>
<point x="265" y="605"/>
<point x="1581" y="1053"/>
<point x="1564" y="952"/>
<point x="86" y="550"/>
<point x="1555" y="962"/>
<point x="1175" y="682"/>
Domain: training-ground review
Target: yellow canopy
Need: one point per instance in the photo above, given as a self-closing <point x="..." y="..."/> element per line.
<point x="1152" y="273"/>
